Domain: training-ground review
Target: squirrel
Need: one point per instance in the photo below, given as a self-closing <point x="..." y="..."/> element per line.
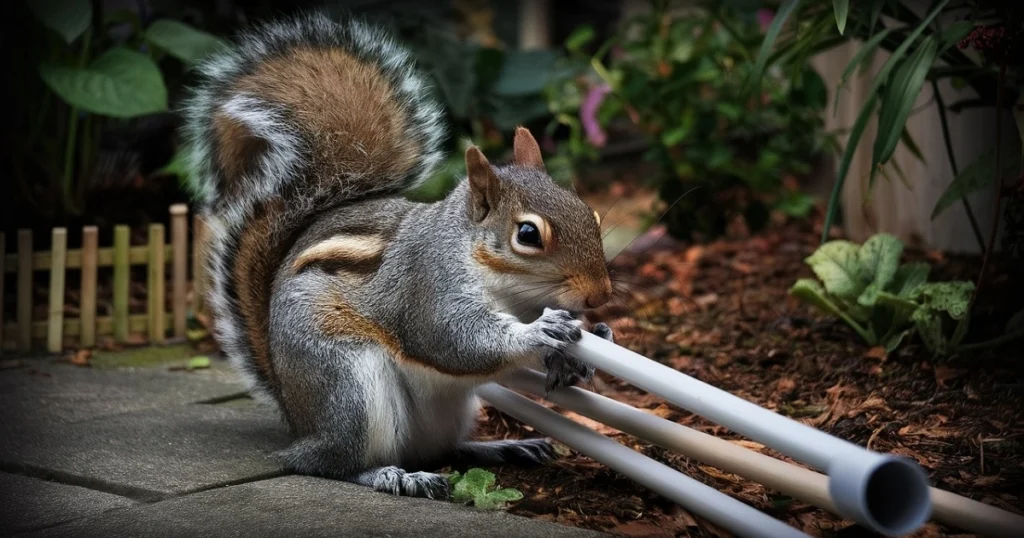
<point x="368" y="319"/>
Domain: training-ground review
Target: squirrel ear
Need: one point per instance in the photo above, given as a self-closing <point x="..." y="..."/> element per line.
<point x="483" y="184"/>
<point x="525" y="151"/>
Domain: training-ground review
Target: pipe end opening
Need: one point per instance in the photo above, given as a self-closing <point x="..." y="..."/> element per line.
<point x="897" y="496"/>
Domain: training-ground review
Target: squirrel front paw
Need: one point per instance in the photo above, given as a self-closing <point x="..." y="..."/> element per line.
<point x="564" y="370"/>
<point x="555" y="329"/>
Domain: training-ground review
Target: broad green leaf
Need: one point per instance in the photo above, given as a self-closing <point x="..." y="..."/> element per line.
<point x="121" y="84"/>
<point x="960" y="331"/>
<point x="580" y="37"/>
<point x="928" y="323"/>
<point x="811" y="292"/>
<point x="892" y="341"/>
<point x="836" y="265"/>
<point x="909" y="278"/>
<point x="497" y="499"/>
<point x="673" y="136"/>
<point x="472" y="485"/>
<point x="978" y="175"/>
<point x="525" y="72"/>
<point x="899" y="97"/>
<point x="889" y="299"/>
<point x="842" y="9"/>
<point x="795" y="204"/>
<point x="69" y="18"/>
<point x="182" y="41"/>
<point x="771" y="35"/>
<point x="952" y="297"/>
<point x="878" y="260"/>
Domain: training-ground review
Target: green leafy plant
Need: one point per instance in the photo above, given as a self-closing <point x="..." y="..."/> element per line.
<point x="102" y="69"/>
<point x="885" y="301"/>
<point x="970" y="42"/>
<point x="679" y="82"/>
<point x="477" y="487"/>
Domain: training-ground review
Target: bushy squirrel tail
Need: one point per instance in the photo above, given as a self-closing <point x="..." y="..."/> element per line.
<point x="295" y="117"/>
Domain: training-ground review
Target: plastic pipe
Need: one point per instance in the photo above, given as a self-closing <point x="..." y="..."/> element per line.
<point x="886" y="493"/>
<point x="798" y="482"/>
<point x="705" y="501"/>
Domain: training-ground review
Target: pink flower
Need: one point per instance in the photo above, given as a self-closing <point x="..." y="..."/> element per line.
<point x="764" y="18"/>
<point x="588" y="114"/>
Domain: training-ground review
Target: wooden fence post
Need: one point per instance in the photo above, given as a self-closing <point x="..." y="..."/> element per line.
<point x="58" y="259"/>
<point x="155" y="285"/>
<point x="198" y="269"/>
<point x="122" y="240"/>
<point x="3" y="278"/>
<point x="87" y="306"/>
<point x="179" y="267"/>
<point x="24" y="291"/>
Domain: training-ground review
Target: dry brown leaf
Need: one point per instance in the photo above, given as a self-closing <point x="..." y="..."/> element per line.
<point x="590" y="423"/>
<point x="985" y="481"/>
<point x="945" y="374"/>
<point x="751" y="445"/>
<point x="81" y="357"/>
<point x="786" y="384"/>
<point x="877" y="353"/>
<point x="706" y="300"/>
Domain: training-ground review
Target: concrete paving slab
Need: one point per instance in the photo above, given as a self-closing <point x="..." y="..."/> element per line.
<point x="30" y="503"/>
<point x="42" y="391"/>
<point x="151" y="453"/>
<point x="307" y="507"/>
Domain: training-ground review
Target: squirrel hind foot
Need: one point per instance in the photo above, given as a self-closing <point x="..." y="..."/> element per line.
<point x="520" y="453"/>
<point x="397" y="481"/>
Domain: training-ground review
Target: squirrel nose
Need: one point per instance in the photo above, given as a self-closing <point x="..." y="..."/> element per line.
<point x="601" y="296"/>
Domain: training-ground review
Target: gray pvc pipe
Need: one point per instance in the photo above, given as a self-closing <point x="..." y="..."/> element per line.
<point x="884" y="492"/>
<point x="705" y="501"/>
<point x="800" y="483"/>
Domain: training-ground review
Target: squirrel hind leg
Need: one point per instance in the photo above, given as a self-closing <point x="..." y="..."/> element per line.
<point x="315" y="456"/>
<point x="521" y="453"/>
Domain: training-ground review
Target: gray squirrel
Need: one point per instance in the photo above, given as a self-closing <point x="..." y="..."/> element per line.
<point x="366" y="318"/>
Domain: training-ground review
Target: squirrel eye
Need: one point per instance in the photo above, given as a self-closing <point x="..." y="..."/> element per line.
<point x="528" y="235"/>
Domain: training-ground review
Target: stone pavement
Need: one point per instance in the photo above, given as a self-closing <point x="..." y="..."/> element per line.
<point x="132" y="447"/>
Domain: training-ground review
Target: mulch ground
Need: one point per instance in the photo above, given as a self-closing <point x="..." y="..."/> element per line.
<point x="720" y="312"/>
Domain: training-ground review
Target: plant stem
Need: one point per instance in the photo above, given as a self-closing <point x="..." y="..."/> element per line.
<point x="1000" y="95"/>
<point x="994" y="342"/>
<point x="72" y="135"/>
<point x="941" y="105"/>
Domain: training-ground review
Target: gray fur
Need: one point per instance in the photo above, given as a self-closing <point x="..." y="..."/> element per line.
<point x="358" y="413"/>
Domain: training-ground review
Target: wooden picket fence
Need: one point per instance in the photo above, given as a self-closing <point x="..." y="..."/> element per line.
<point x="57" y="331"/>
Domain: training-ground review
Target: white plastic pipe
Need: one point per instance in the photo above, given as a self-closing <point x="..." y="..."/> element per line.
<point x="798" y="482"/>
<point x="886" y="493"/>
<point x="705" y="501"/>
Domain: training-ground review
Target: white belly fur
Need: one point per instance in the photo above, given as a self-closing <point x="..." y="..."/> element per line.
<point x="413" y="421"/>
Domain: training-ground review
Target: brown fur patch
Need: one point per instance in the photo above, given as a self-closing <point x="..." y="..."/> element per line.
<point x="349" y="252"/>
<point x="496" y="263"/>
<point x="237" y="150"/>
<point x="346" y="106"/>
<point x="254" y="271"/>
<point x="338" y="318"/>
